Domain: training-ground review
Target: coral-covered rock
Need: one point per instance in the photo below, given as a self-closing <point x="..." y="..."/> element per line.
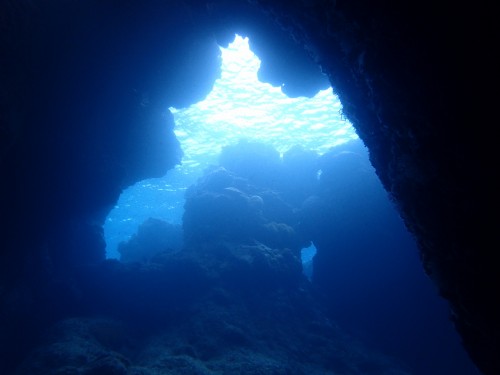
<point x="225" y="206"/>
<point x="80" y="346"/>
<point x="278" y="333"/>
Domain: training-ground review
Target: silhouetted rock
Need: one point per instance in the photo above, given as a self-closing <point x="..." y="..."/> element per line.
<point x="153" y="237"/>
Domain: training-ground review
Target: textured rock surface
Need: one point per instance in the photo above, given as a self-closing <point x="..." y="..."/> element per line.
<point x="220" y="306"/>
<point x="401" y="73"/>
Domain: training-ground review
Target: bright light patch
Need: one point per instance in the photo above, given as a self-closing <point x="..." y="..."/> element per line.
<point x="240" y="106"/>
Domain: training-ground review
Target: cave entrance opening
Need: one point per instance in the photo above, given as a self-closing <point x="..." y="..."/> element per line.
<point x="239" y="107"/>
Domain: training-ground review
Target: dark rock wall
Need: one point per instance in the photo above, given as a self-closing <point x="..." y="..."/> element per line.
<point x="408" y="77"/>
<point x="85" y="91"/>
<point x="85" y="87"/>
<point x="88" y="115"/>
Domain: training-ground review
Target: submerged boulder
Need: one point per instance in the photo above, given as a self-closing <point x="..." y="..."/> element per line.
<point x="153" y="237"/>
<point x="223" y="206"/>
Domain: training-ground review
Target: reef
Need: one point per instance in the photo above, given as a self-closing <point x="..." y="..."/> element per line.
<point x="232" y="300"/>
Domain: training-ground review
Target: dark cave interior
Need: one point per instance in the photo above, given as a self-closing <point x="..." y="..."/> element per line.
<point x="74" y="133"/>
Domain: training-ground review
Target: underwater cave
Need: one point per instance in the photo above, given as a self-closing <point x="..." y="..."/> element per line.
<point x="304" y="151"/>
<point x="212" y="276"/>
<point x="239" y="107"/>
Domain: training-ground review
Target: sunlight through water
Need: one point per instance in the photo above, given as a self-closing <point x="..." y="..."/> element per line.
<point x="238" y="107"/>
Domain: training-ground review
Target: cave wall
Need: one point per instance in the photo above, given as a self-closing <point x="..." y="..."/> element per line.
<point x="85" y="87"/>
<point x="407" y="76"/>
<point x="85" y="92"/>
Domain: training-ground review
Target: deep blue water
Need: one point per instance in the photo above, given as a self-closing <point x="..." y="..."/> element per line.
<point x="383" y="297"/>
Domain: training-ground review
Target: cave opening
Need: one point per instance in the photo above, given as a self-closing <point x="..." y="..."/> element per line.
<point x="239" y="107"/>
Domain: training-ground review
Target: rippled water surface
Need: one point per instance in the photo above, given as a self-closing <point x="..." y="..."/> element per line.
<point x="239" y="107"/>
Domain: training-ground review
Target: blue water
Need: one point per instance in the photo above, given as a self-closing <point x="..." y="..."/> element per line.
<point x="239" y="107"/>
